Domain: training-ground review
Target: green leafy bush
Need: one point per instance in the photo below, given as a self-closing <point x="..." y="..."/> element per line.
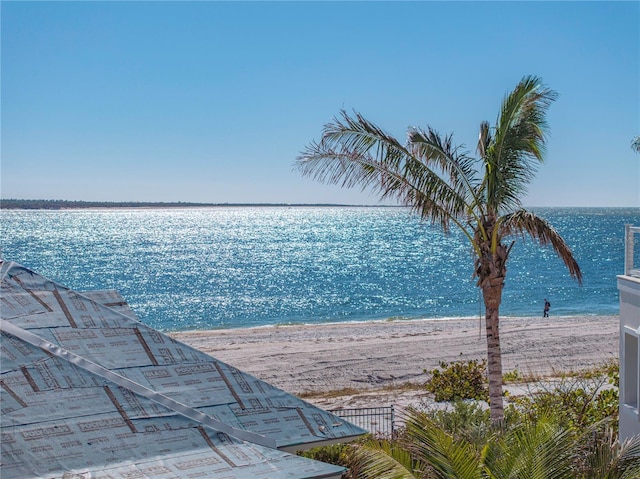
<point x="578" y="402"/>
<point x="337" y="454"/>
<point x="459" y="380"/>
<point x="511" y="376"/>
<point x="333" y="454"/>
<point x="464" y="420"/>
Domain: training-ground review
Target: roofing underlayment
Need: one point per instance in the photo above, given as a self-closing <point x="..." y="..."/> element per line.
<point x="89" y="391"/>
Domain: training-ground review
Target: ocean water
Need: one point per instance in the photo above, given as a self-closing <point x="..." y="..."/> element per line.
<point x="234" y="267"/>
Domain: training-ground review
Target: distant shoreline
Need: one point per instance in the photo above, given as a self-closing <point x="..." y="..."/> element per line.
<point x="69" y="204"/>
<point x="16" y="204"/>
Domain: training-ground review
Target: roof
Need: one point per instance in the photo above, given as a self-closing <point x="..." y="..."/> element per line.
<point x="86" y="388"/>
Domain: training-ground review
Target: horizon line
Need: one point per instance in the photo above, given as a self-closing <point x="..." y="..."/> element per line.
<point x="13" y="203"/>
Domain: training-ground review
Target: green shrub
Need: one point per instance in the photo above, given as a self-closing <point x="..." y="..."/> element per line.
<point x="577" y="402"/>
<point x="333" y="454"/>
<point x="464" y="420"/>
<point x="459" y="380"/>
<point x="337" y="454"/>
<point x="511" y="376"/>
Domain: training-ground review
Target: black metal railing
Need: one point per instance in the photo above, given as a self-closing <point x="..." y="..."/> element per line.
<point x="379" y="421"/>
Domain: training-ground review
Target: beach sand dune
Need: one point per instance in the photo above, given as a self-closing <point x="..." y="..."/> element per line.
<point x="370" y="358"/>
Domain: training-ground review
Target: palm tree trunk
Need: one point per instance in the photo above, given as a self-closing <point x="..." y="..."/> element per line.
<point x="491" y="271"/>
<point x="492" y="294"/>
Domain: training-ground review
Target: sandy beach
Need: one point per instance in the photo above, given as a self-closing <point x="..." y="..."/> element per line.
<point x="369" y="358"/>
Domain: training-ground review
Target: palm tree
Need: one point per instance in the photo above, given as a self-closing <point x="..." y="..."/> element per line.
<point x="444" y="184"/>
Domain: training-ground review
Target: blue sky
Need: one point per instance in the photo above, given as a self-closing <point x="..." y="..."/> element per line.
<point x="213" y="101"/>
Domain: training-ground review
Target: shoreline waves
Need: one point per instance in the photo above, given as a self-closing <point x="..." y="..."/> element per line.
<point x="392" y="319"/>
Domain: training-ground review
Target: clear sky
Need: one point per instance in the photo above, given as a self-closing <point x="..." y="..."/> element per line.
<point x="213" y="101"/>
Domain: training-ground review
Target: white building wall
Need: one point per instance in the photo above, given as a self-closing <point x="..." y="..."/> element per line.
<point x="629" y="287"/>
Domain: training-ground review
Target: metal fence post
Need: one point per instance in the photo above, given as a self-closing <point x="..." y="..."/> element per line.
<point x="393" y="422"/>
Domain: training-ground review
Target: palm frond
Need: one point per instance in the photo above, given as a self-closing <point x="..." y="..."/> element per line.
<point x="605" y="457"/>
<point x="484" y="139"/>
<point x="522" y="222"/>
<point x="438" y="152"/>
<point x="628" y="458"/>
<point x="355" y="152"/>
<point x="385" y="460"/>
<point x="445" y="455"/>
<point x="518" y="145"/>
<point x="537" y="450"/>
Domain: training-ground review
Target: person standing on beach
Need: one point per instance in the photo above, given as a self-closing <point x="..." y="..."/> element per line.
<point x="547" y="306"/>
